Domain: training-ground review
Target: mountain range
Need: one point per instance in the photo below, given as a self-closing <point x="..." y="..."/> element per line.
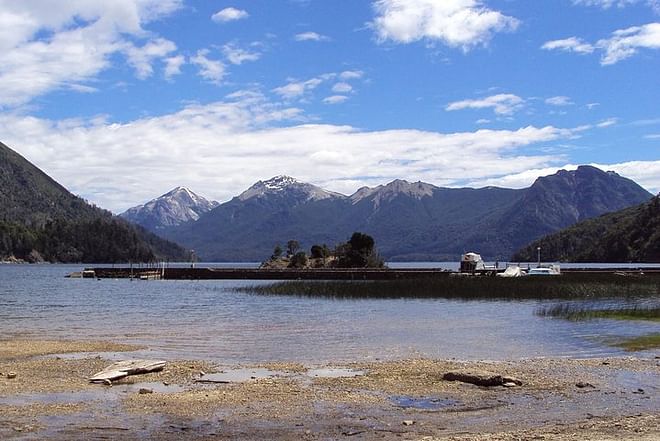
<point x="409" y="221"/>
<point x="42" y="220"/>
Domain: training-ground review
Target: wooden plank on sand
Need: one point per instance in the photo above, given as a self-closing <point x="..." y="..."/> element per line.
<point x="125" y="368"/>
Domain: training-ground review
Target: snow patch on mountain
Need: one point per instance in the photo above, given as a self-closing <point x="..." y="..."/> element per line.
<point x="382" y="193"/>
<point x="283" y="185"/>
<point x="178" y="206"/>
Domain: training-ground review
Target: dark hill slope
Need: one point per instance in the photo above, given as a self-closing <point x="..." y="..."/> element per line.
<point x="630" y="235"/>
<point x="247" y="227"/>
<point x="40" y="219"/>
<point x="558" y="201"/>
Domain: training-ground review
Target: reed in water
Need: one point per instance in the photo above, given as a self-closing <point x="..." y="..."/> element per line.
<point x="576" y="312"/>
<point x="567" y="286"/>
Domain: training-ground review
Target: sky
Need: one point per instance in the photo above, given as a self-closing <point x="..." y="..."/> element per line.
<point x="122" y="101"/>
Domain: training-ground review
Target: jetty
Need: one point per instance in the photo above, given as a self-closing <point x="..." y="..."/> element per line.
<point x="211" y="273"/>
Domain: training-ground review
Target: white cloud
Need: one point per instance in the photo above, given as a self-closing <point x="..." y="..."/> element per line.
<point x="310" y="36"/>
<point x="298" y="89"/>
<point x="572" y="44"/>
<point x="351" y="75"/>
<point x="607" y="123"/>
<point x="173" y="66"/>
<point x="455" y="23"/>
<point x="70" y="42"/>
<point x="606" y="4"/>
<point x="223" y="147"/>
<point x="559" y="101"/>
<point x="211" y="70"/>
<point x="342" y="88"/>
<point x="623" y="43"/>
<point x="81" y="88"/>
<point x="237" y="55"/>
<point x="645" y="173"/>
<point x="502" y="104"/>
<point x="592" y="106"/>
<point x="229" y="14"/>
<point x="302" y="89"/>
<point x="141" y="58"/>
<point x="335" y="99"/>
<point x="652" y="136"/>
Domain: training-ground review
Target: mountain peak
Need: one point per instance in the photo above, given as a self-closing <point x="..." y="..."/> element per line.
<point x="416" y="190"/>
<point x="280" y="182"/>
<point x="175" y="207"/>
<point x="283" y="184"/>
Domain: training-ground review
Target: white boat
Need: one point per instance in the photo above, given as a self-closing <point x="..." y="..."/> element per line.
<point x="548" y="270"/>
<point x="512" y="271"/>
<point x="471" y="262"/>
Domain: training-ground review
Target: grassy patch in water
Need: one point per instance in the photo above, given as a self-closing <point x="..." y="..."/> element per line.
<point x="641" y="343"/>
<point x="575" y="312"/>
<point x="567" y="286"/>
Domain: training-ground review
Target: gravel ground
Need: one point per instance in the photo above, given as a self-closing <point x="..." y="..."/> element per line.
<point x="596" y="399"/>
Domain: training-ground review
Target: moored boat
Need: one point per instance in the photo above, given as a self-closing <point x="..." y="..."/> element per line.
<point x="545" y="270"/>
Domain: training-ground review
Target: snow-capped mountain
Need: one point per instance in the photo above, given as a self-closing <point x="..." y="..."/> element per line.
<point x="408" y="220"/>
<point x="173" y="208"/>
<point x="286" y="185"/>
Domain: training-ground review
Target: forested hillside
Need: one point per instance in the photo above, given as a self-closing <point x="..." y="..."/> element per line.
<point x="630" y="235"/>
<point x="41" y="220"/>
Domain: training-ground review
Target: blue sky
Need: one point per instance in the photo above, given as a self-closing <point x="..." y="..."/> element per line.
<point x="121" y="101"/>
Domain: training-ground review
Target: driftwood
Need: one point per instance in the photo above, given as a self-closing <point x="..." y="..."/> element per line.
<point x="122" y="369"/>
<point x="487" y="379"/>
<point x="205" y="381"/>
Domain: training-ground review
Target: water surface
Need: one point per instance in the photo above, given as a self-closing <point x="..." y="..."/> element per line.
<point x="207" y="319"/>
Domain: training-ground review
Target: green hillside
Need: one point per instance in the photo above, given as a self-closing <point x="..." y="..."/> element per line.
<point x="630" y="235"/>
<point x="41" y="220"/>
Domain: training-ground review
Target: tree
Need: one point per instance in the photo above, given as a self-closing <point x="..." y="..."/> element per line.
<point x="299" y="260"/>
<point x="320" y="251"/>
<point x="277" y="252"/>
<point x="358" y="252"/>
<point x="292" y="247"/>
<point x="362" y="243"/>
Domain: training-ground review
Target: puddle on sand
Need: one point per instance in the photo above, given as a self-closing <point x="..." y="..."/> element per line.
<point x="155" y="387"/>
<point x="111" y="356"/>
<point x="102" y="393"/>
<point x="334" y="373"/>
<point x="422" y="403"/>
<point x="241" y="375"/>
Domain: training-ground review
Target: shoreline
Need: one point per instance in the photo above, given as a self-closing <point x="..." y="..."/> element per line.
<point x="564" y="398"/>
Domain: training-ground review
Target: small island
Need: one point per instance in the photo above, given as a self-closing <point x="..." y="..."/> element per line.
<point x="358" y="252"/>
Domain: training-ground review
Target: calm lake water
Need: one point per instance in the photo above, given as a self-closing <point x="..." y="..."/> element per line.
<point x="206" y="319"/>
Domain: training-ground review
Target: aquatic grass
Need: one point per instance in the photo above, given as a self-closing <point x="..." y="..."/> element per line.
<point x="567" y="286"/>
<point x="575" y="312"/>
<point x="641" y="343"/>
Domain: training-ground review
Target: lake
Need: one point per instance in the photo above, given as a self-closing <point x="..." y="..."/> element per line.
<point x="208" y="320"/>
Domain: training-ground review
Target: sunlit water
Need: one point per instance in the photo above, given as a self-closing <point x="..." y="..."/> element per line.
<point x="207" y="319"/>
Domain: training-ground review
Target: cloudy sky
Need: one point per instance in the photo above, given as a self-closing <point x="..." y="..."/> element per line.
<point x="121" y="101"/>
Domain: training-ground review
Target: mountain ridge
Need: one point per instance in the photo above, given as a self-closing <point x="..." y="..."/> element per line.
<point x="410" y="221"/>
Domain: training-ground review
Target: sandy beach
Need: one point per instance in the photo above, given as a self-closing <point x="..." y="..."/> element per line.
<point x="44" y="393"/>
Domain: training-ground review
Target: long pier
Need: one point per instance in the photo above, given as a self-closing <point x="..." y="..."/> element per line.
<point x="210" y="273"/>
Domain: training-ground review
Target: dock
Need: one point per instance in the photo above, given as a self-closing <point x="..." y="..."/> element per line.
<point x="211" y="273"/>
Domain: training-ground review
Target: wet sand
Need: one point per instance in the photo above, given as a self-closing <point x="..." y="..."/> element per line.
<point x="50" y="397"/>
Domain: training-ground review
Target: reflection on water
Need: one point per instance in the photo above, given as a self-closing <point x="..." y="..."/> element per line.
<point x="206" y="319"/>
